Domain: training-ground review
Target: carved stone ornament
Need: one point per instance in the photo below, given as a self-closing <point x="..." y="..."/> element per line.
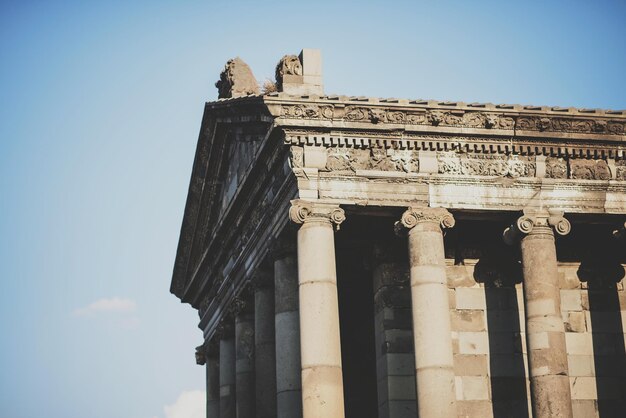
<point x="620" y="170"/>
<point x="556" y="168"/>
<point x="380" y="159"/>
<point x="289" y="65"/>
<point x="302" y="212"/>
<point x="200" y="355"/>
<point x="451" y="162"/>
<point x="537" y="222"/>
<point x="296" y="156"/>
<point x="583" y="169"/>
<point x="456" y="118"/>
<point x="236" y="80"/>
<point x="415" y="215"/>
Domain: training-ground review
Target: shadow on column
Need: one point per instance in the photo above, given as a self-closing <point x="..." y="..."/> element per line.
<point x="499" y="270"/>
<point x="601" y="269"/>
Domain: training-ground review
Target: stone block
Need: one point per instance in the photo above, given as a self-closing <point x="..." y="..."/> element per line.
<point x="467" y="320"/>
<point x="508" y="365"/>
<point x="470" y="298"/>
<point x="474" y="409"/>
<point x="452" y="298"/>
<point x="475" y="388"/>
<point x="571" y="300"/>
<point x="470" y="365"/>
<point x="575" y="322"/>
<point x="584" y="408"/>
<point x="458" y="276"/>
<point x="580" y="365"/>
<point x="578" y="343"/>
<point x="568" y="278"/>
<point x="583" y="387"/>
<point x="473" y="343"/>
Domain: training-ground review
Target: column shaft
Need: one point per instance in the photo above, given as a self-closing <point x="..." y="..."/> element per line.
<point x="434" y="364"/>
<point x="322" y="380"/>
<point x="265" y="350"/>
<point x="227" y="376"/>
<point x="244" y="348"/>
<point x="212" y="386"/>
<point x="545" y="332"/>
<point x="287" y="321"/>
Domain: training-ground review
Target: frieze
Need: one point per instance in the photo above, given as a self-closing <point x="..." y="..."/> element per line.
<point x="556" y="168"/>
<point x="582" y="169"/>
<point x="485" y="164"/>
<point x="380" y="159"/>
<point x="455" y="118"/>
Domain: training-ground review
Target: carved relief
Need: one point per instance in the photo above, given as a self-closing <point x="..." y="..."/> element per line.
<point x="620" y="170"/>
<point x="589" y="169"/>
<point x="536" y="123"/>
<point x="556" y="168"/>
<point x="417" y="215"/>
<point x="460" y="118"/>
<point x="296" y="157"/>
<point x="289" y="65"/>
<point x="485" y="165"/>
<point x="352" y="159"/>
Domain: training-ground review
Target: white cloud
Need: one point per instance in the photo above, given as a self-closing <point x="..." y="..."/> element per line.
<point x="115" y="305"/>
<point x="190" y="404"/>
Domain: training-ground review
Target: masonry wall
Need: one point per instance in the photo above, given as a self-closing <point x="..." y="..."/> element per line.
<point x="487" y="315"/>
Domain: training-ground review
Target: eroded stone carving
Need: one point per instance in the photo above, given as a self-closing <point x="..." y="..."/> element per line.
<point x="352" y="159"/>
<point x="289" y="65"/>
<point x="296" y="156"/>
<point x="451" y="162"/>
<point x="539" y="222"/>
<point x="236" y="80"/>
<point x="583" y="169"/>
<point x="416" y="215"/>
<point x="556" y="168"/>
<point x="620" y="170"/>
<point x="301" y="212"/>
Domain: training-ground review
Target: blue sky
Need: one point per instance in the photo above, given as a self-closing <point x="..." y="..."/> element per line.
<point x="100" y="108"/>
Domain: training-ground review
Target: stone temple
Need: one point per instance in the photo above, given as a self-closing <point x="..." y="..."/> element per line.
<point x="389" y="258"/>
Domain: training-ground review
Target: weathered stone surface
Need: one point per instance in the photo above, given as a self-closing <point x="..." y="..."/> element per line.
<point x="236" y="80"/>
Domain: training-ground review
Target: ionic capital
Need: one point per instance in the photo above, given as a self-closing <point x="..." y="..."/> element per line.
<point x="537" y="222"/>
<point x="302" y="212"/>
<point x="226" y="327"/>
<point x="416" y="215"/>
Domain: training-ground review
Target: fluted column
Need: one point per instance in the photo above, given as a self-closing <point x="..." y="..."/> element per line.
<point x="244" y="357"/>
<point x="322" y="380"/>
<point x="208" y="356"/>
<point x="287" y="321"/>
<point x="264" y="345"/>
<point x="434" y="364"/>
<point x="545" y="332"/>
<point x="227" y="368"/>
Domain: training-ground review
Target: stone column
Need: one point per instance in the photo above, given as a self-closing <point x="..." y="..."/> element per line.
<point x="545" y="332"/>
<point x="264" y="345"/>
<point x="395" y="359"/>
<point x="208" y="354"/>
<point x="287" y="320"/>
<point x="244" y="349"/>
<point x="227" y="368"/>
<point x="434" y="363"/>
<point x="322" y="379"/>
